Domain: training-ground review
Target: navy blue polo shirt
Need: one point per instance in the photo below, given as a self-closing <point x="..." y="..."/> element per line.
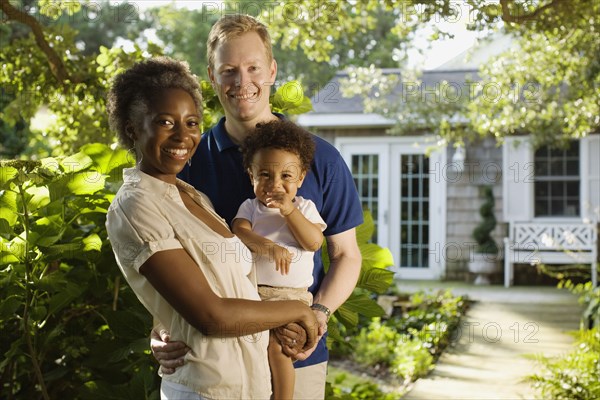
<point x="217" y="170"/>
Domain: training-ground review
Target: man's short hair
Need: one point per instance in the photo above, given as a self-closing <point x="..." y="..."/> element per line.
<point x="232" y="26"/>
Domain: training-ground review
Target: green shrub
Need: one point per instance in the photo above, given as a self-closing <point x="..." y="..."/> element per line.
<point x="69" y="327"/>
<point x="359" y="391"/>
<point x="407" y="346"/>
<point x="573" y="376"/>
<point x="483" y="232"/>
<point x="412" y="359"/>
<point x="375" y="344"/>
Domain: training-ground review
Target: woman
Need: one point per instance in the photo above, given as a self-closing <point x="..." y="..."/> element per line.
<point x="177" y="254"/>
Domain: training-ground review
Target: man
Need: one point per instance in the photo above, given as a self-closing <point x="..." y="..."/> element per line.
<point x="242" y="70"/>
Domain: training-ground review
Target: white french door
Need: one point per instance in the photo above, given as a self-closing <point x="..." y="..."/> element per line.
<point x="402" y="188"/>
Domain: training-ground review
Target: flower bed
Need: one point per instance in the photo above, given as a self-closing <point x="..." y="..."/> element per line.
<point x="387" y="354"/>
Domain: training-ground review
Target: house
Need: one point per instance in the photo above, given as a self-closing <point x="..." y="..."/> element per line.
<point x="425" y="198"/>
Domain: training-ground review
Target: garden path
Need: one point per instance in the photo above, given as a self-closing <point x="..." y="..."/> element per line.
<point x="488" y="359"/>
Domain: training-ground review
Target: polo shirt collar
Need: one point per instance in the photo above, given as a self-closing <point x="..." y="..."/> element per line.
<point x="223" y="140"/>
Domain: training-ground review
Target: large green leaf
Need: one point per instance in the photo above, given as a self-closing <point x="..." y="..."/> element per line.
<point x="76" y="163"/>
<point x="363" y="305"/>
<point x="7" y="174"/>
<point x="10" y="305"/>
<point x="50" y="167"/>
<point x="46" y="231"/>
<point x="92" y="243"/>
<point x="62" y="250"/>
<point x="376" y="280"/>
<point x="108" y="161"/>
<point x="6" y="254"/>
<point x="364" y="232"/>
<point x="88" y="182"/>
<point x="40" y="197"/>
<point x="6" y="226"/>
<point x="290" y="99"/>
<point x="346" y="316"/>
<point x="375" y="256"/>
<point x="357" y="304"/>
<point x="67" y="294"/>
<point x="16" y="247"/>
<point x="80" y="183"/>
<point x="8" y="200"/>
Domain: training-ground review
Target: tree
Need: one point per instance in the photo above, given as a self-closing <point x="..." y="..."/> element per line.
<point x="60" y="76"/>
<point x="184" y="34"/>
<point x="546" y="85"/>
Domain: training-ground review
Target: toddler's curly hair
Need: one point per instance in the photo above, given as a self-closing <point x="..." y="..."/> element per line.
<point x="281" y="135"/>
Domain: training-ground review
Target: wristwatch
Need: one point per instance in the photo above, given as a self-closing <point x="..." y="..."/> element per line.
<point x="323" y="309"/>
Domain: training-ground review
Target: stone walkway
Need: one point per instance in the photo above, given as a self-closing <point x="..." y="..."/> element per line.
<point x="488" y="359"/>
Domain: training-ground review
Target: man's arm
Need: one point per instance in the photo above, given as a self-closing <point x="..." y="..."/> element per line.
<point x="340" y="280"/>
<point x="344" y="270"/>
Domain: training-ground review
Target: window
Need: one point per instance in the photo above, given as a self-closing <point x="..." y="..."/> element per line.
<point x="365" y="171"/>
<point x="414" y="215"/>
<point x="557" y="182"/>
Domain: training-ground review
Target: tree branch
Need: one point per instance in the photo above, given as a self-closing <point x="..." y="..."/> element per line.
<point x="57" y="67"/>
<point x="508" y="17"/>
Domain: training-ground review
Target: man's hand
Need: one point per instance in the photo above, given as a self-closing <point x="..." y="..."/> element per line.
<point x="169" y="355"/>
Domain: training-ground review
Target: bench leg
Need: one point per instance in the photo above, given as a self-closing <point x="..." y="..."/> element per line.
<point x="508" y="266"/>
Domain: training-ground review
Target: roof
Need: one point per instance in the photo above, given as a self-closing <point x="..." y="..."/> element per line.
<point x="332" y="110"/>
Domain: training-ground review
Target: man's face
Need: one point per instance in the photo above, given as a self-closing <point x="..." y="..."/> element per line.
<point x="242" y="77"/>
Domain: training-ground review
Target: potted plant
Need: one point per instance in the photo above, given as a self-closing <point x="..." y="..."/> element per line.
<point x="484" y="260"/>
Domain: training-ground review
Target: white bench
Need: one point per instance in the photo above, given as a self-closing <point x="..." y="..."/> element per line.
<point x="550" y="243"/>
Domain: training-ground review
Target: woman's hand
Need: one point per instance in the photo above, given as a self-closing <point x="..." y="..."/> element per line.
<point x="292" y="338"/>
<point x="300" y="337"/>
<point x="170" y="355"/>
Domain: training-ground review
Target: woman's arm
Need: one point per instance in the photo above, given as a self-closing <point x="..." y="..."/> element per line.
<point x="175" y="275"/>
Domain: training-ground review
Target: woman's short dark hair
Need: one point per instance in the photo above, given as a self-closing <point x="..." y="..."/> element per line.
<point x="281" y="135"/>
<point x="132" y="91"/>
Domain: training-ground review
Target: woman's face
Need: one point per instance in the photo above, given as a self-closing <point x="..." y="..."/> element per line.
<point x="168" y="134"/>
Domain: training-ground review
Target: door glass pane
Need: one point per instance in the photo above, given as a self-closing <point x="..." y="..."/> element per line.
<point x="365" y="169"/>
<point x="414" y="207"/>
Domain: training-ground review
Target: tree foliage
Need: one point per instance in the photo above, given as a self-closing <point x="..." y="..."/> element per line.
<point x="546" y="85"/>
<point x="61" y="78"/>
<point x="184" y="34"/>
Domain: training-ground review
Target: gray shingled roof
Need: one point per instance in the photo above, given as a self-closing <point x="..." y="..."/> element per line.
<point x="329" y="100"/>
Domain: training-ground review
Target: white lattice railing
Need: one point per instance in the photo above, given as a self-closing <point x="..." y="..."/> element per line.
<point x="550" y="243"/>
<point x="554" y="236"/>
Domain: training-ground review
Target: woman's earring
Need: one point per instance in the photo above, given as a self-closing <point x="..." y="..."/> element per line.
<point x="189" y="162"/>
<point x="131" y="153"/>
